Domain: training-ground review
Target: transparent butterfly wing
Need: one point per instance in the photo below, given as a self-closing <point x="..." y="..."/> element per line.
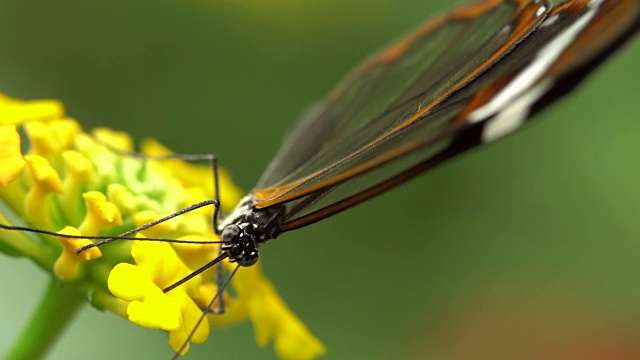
<point x="389" y="90"/>
<point x="445" y="130"/>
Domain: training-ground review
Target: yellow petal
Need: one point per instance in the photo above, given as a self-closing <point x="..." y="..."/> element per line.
<point x="147" y="216"/>
<point x="195" y="255"/>
<point x="66" y="131"/>
<point x="156" y="312"/>
<point x="44" y="175"/>
<point x="128" y="282"/>
<point x="43" y="141"/>
<point x="11" y="161"/>
<point x="273" y="320"/>
<point x="67" y="265"/>
<point x="13" y="111"/>
<point x="79" y="174"/>
<point x="191" y="315"/>
<point x="158" y="266"/>
<point x="235" y="307"/>
<point x="198" y="176"/>
<point x="100" y="213"/>
<point x="48" y="138"/>
<point x="295" y="341"/>
<point x="119" y="140"/>
<point x="45" y="181"/>
<point x="122" y="198"/>
<point x="79" y="167"/>
<point x="149" y="306"/>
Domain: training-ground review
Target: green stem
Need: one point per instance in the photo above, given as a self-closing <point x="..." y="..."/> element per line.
<point x="57" y="308"/>
<point x="22" y="245"/>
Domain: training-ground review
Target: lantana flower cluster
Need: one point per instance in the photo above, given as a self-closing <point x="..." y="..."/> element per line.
<point x="56" y="177"/>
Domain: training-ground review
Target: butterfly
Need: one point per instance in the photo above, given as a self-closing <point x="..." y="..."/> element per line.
<point x="463" y="79"/>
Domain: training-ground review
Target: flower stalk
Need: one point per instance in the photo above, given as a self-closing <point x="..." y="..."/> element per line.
<point x="58" y="306"/>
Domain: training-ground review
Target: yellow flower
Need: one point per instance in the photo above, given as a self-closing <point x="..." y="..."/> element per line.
<point x="100" y="213"/>
<point x="78" y="182"/>
<point x="68" y="263"/>
<point x="45" y="180"/>
<point x="14" y="111"/>
<point x="12" y="161"/>
<point x="273" y="320"/>
<point x="157" y="267"/>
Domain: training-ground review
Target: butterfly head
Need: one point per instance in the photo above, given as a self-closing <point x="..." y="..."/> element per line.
<point x="240" y="245"/>
<point x="244" y="234"/>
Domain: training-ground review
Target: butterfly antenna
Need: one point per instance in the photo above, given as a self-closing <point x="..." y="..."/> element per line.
<point x="205" y="312"/>
<point x="104" y="237"/>
<point x="199" y="205"/>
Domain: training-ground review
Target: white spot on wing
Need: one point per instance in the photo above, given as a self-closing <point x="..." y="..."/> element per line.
<point x="595" y="3"/>
<point x="514" y="115"/>
<point x="530" y="75"/>
<point x="550" y="20"/>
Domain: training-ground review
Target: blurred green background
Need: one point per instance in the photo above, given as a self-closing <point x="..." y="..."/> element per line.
<point x="526" y="249"/>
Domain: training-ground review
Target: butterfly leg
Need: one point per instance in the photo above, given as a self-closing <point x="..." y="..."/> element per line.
<point x="220" y="309"/>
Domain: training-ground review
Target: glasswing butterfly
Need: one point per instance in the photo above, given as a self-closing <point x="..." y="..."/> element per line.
<point x="465" y="78"/>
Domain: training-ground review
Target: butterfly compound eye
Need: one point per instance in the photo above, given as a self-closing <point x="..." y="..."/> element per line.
<point x="231" y="234"/>
<point x="242" y="248"/>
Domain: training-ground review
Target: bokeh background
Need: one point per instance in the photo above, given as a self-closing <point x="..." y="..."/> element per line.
<point x="526" y="249"/>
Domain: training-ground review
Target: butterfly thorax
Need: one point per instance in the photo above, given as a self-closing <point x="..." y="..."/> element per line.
<point x="246" y="228"/>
